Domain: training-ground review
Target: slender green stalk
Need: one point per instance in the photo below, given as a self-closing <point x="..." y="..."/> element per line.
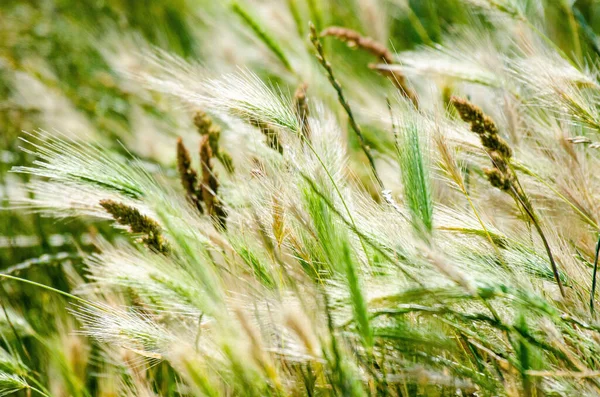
<point x="314" y="37"/>
<point x="71" y="296"/>
<point x="529" y="210"/>
<point x="38" y="391"/>
<point x="11" y="325"/>
<point x="589" y="33"/>
<point x="417" y="25"/>
<point x="573" y="27"/>
<point x="593" y="291"/>
<point x="295" y="11"/>
<point x="315" y="13"/>
<point x="256" y="27"/>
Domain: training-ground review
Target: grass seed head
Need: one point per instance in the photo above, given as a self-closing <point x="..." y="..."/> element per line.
<point x="301" y="108"/>
<point x="210" y="184"/>
<point x="501" y="176"/>
<point x="355" y="39"/>
<point x="188" y="176"/>
<point x="138" y="223"/>
<point x="10" y="383"/>
<point x="206" y="126"/>
<point x="270" y="132"/>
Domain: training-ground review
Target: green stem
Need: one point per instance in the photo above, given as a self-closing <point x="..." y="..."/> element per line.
<point x="527" y="207"/>
<point x="262" y="34"/>
<point x="338" y="88"/>
<point x="37" y="391"/>
<point x="418" y="26"/>
<point x="68" y="295"/>
<point x="593" y="292"/>
<point x="574" y="30"/>
<point x="45" y="392"/>
<point x="527" y="171"/>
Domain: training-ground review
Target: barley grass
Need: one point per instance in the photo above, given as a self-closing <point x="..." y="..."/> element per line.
<point x="201" y="207"/>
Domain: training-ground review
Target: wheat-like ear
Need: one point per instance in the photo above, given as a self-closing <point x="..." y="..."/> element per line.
<point x="137" y="223"/>
<point x="355" y="39"/>
<point x="132" y="330"/>
<point x="415" y="177"/>
<point x="302" y="110"/>
<point x="188" y="176"/>
<point x="449" y="165"/>
<point x="551" y="83"/>
<point x="210" y="184"/>
<point x="242" y="94"/>
<point x="502" y="175"/>
<point x="206" y="126"/>
<point x="73" y="162"/>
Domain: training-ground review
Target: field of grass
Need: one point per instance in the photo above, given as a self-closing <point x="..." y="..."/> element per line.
<point x="299" y="198"/>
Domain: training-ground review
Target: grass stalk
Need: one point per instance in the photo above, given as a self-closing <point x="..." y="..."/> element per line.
<point x="594" y="273"/>
<point x="266" y="38"/>
<point x="314" y="37"/>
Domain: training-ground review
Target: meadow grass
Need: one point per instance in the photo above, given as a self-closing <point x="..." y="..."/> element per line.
<point x="300" y="198"/>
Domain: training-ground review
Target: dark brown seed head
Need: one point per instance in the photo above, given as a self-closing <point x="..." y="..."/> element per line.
<point x="489" y="126"/>
<point x="467" y="111"/>
<point x="482" y="125"/>
<point x="498" y="161"/>
<point x="301" y="108"/>
<point x="497" y="179"/>
<point x="206" y="126"/>
<point x="472" y="114"/>
<point x="210" y="184"/>
<point x="489" y="141"/>
<point x="137" y="223"/>
<point x="503" y="148"/>
<point x="188" y="176"/>
<point x="501" y="176"/>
